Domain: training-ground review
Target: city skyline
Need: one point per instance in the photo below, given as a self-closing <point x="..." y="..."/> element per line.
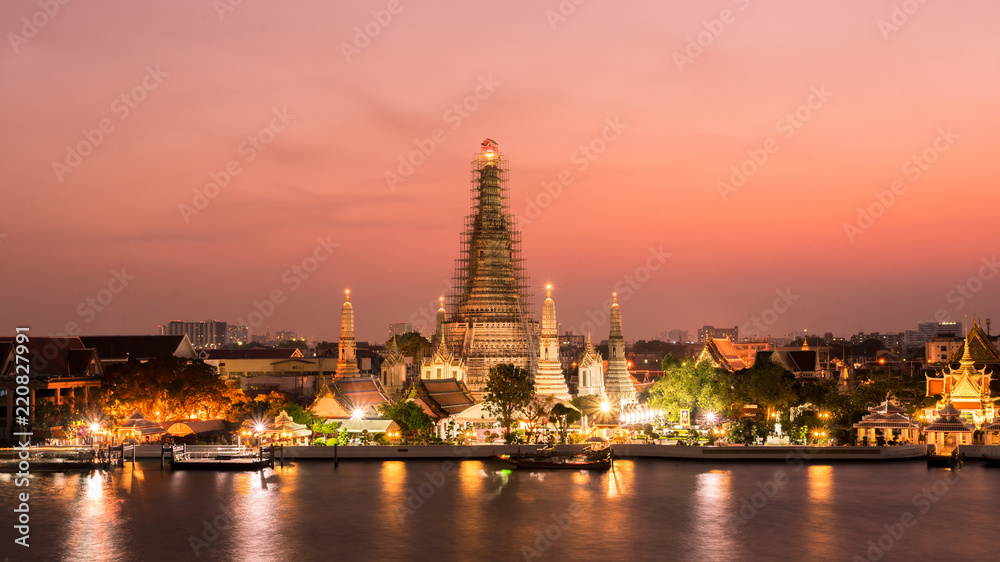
<point x="625" y="157"/>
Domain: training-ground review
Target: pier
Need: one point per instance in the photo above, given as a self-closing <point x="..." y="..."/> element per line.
<point x="622" y="451"/>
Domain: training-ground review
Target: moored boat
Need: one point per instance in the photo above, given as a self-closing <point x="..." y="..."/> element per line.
<point x="588" y="459"/>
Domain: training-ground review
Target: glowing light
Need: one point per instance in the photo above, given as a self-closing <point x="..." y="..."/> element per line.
<point x="711" y="417"/>
<point x="605" y="407"/>
<point x="260" y="428"/>
<point x="94" y="427"/>
<point x="357" y="414"/>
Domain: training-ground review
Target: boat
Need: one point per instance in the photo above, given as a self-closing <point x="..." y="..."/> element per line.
<point x="221" y="458"/>
<point x="588" y="459"/>
<point x="953" y="459"/>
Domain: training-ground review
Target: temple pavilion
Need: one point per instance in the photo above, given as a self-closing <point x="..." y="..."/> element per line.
<point x="889" y="418"/>
<point x="966" y="389"/>
<point x="948" y="430"/>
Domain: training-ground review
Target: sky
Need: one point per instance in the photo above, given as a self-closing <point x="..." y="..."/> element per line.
<point x="779" y="166"/>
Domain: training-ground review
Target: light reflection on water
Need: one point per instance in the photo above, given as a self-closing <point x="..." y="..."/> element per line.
<point x="820" y="509"/>
<point x="712" y="507"/>
<point x="645" y="509"/>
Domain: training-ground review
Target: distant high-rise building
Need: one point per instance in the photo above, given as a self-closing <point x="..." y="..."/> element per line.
<point x="891" y="340"/>
<point x="209" y="333"/>
<point x="284" y="335"/>
<point x="490" y="307"/>
<point x="675" y="336"/>
<point x="707" y="332"/>
<point x="400" y="328"/>
<point x="927" y="331"/>
<point x="238" y="335"/>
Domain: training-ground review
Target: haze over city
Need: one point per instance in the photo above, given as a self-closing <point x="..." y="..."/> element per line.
<point x="702" y="158"/>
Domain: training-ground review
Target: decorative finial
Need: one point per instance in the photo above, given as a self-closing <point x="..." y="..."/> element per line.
<point x="615" y="295"/>
<point x="548" y="290"/>
<point x="441" y="300"/>
<point x="347" y="295"/>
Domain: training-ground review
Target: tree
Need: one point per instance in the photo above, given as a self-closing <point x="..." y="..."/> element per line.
<point x="766" y="384"/>
<point x="562" y="416"/>
<point x="167" y="388"/>
<point x="412" y="344"/>
<point x="690" y="386"/>
<point x="508" y="391"/>
<point x="409" y="415"/>
<point x="537" y="413"/>
<point x="670" y="362"/>
<point x="873" y="389"/>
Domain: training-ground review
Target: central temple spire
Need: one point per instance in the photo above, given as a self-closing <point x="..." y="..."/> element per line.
<point x="490" y="308"/>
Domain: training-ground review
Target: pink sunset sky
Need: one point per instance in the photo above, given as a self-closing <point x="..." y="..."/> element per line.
<point x="179" y="87"/>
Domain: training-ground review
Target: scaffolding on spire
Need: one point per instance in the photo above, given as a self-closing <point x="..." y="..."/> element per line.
<point x="491" y="308"/>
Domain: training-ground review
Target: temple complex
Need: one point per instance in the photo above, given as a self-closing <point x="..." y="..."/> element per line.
<point x="617" y="382"/>
<point x="347" y="362"/>
<point x="590" y="372"/>
<point x="490" y="306"/>
<point x="549" y="379"/>
<point x="966" y="389"/>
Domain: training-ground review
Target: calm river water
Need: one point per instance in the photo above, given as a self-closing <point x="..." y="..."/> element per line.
<point x="478" y="510"/>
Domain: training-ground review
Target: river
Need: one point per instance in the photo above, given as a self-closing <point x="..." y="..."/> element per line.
<point x="647" y="509"/>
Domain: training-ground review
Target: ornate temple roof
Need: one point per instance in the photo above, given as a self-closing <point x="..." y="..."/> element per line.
<point x="590" y="355"/>
<point x="978" y="343"/>
<point x="967" y="385"/>
<point x="444" y="397"/>
<point x="887" y="415"/>
<point x="949" y="421"/>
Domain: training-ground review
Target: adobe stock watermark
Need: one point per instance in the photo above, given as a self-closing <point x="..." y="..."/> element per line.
<point x="433" y="481"/>
<point x="564" y="9"/>
<point x="249" y="149"/>
<point x="968" y="289"/>
<point x="895" y="530"/>
<point x="749" y="508"/>
<point x="427" y="315"/>
<point x="210" y="530"/>
<point x="900" y="16"/>
<point x="121" y="107"/>
<point x="453" y="116"/>
<point x="696" y="44"/>
<point x="581" y="159"/>
<point x="913" y="168"/>
<point x="760" y="324"/>
<point x="225" y="7"/>
<point x="365" y="33"/>
<point x="626" y="287"/>
<point x="788" y="126"/>
<point x="292" y="278"/>
<point x="87" y="310"/>
<point x="545" y="538"/>
<point x="31" y="25"/>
